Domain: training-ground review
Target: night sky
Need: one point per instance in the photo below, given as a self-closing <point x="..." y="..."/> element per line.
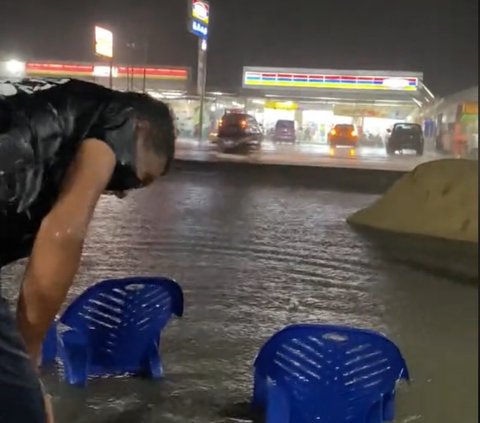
<point x="437" y="37"/>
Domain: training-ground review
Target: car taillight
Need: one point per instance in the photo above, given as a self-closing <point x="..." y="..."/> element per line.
<point x="243" y="123"/>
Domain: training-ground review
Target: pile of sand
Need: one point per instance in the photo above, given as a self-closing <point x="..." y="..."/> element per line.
<point x="437" y="199"/>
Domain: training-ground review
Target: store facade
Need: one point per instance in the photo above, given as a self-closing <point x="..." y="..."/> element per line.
<point x="314" y="99"/>
<point x="317" y="99"/>
<point x="154" y="79"/>
<point x="450" y="120"/>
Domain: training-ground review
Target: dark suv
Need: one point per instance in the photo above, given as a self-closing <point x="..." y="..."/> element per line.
<point x="238" y="132"/>
<point x="405" y="136"/>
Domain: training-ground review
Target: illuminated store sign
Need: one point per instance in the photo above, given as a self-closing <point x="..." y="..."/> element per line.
<point x="199" y="29"/>
<point x="281" y="105"/>
<point x="198" y="17"/>
<point x="74" y="70"/>
<point x="103" y="42"/>
<point x="201" y="11"/>
<point x="311" y="80"/>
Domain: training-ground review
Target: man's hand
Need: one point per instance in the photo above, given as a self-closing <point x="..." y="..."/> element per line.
<point x="58" y="245"/>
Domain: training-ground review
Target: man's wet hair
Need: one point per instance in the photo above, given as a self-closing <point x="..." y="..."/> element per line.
<point x="162" y="132"/>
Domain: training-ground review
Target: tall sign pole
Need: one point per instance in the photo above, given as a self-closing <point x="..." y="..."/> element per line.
<point x="104" y="48"/>
<point x="202" y="80"/>
<point x="198" y="21"/>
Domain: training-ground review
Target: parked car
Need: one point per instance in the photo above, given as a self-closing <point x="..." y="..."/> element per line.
<point x="405" y="136"/>
<point x="238" y="132"/>
<point x="343" y="135"/>
<point x="285" y="131"/>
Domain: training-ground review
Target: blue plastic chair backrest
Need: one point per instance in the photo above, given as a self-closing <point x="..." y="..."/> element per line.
<point x="120" y="317"/>
<point x="331" y="373"/>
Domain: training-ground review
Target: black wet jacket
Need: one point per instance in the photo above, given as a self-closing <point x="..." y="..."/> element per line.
<point x="42" y="124"/>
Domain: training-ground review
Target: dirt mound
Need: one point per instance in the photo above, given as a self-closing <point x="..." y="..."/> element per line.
<point x="438" y="199"/>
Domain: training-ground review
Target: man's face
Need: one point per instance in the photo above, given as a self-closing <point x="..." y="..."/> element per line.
<point x="149" y="165"/>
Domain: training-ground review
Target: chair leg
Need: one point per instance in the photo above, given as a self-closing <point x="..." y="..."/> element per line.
<point x="259" y="390"/>
<point x="278" y="407"/>
<point x="389" y="407"/>
<point x="49" y="347"/>
<point x="75" y="357"/>
<point x="375" y="414"/>
<point x="153" y="365"/>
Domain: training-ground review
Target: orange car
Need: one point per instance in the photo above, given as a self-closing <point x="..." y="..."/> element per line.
<point x="343" y="134"/>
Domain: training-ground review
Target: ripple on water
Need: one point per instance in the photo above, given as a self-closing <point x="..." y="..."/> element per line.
<point x="251" y="259"/>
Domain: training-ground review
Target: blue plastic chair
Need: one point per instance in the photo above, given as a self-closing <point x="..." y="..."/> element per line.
<point x="327" y="374"/>
<point x="114" y="328"/>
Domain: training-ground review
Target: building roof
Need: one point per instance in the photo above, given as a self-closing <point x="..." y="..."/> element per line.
<point x="336" y="85"/>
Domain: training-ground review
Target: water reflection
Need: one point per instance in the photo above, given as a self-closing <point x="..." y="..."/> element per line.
<point x="252" y="258"/>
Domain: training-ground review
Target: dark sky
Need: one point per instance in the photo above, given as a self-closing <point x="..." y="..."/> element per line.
<point x="438" y="37"/>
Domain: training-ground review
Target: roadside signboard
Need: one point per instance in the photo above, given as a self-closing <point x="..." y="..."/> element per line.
<point x="198" y="17"/>
<point x="103" y="42"/>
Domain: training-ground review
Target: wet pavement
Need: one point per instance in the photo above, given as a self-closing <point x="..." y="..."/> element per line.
<point x="251" y="259"/>
<point x="308" y="155"/>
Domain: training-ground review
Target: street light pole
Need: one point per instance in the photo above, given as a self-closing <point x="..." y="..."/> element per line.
<point x="131" y="46"/>
<point x="202" y="82"/>
<point x="136" y="62"/>
<point x="198" y="20"/>
<point x="145" y="61"/>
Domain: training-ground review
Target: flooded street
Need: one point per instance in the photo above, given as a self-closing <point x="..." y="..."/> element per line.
<point x="251" y="259"/>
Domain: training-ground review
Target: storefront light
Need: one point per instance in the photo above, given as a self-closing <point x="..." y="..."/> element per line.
<point x="15" y="67"/>
<point x="104" y="71"/>
<point x="396" y="83"/>
<point x="155" y="94"/>
<point x="281" y="105"/>
<point x="172" y="94"/>
<point x="418" y="103"/>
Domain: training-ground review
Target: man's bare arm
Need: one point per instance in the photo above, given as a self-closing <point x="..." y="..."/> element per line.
<point x="58" y="245"/>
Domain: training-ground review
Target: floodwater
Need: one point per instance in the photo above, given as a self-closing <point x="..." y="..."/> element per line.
<point x="252" y="258"/>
